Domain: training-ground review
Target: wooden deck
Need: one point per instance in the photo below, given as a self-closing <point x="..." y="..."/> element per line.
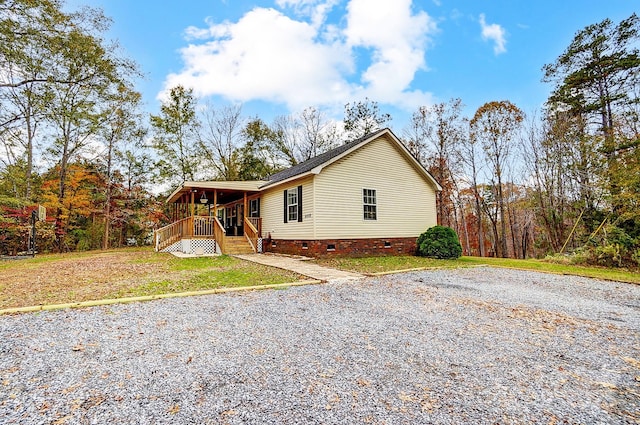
<point x="206" y="227"/>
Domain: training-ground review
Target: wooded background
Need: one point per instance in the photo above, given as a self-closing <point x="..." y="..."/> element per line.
<point x="565" y="179"/>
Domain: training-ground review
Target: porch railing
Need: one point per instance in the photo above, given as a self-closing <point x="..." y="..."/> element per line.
<point x="251" y="232"/>
<point x="219" y="234"/>
<point x="190" y="227"/>
<point x="171" y="233"/>
<point x="203" y="226"/>
<point x="257" y="224"/>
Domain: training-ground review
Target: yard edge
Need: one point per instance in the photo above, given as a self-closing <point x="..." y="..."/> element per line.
<point x="126" y="300"/>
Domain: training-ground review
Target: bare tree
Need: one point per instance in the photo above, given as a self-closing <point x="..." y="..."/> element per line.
<point x="362" y="118"/>
<point x="319" y="134"/>
<point x="287" y="140"/>
<point x="433" y="137"/>
<point x="496" y="124"/>
<point x="302" y="136"/>
<point x="220" y="138"/>
<point x="470" y="155"/>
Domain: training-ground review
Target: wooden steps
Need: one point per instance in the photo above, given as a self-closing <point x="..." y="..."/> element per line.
<point x="237" y="245"/>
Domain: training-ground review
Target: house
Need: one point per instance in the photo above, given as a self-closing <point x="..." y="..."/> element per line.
<point x="366" y="197"/>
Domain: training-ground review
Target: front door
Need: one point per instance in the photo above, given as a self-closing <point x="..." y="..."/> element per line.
<point x="239" y="220"/>
<point x="229" y="220"/>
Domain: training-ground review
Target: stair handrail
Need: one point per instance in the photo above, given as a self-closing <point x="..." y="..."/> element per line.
<point x="257" y="224"/>
<point x="219" y="233"/>
<point x="251" y="233"/>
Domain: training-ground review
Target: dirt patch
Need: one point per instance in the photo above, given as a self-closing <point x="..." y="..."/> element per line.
<point x="77" y="278"/>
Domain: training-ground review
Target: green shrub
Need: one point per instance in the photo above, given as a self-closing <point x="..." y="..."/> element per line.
<point x="635" y="257"/>
<point x="439" y="242"/>
<point x="617" y="236"/>
<point x="580" y="257"/>
<point x="609" y="255"/>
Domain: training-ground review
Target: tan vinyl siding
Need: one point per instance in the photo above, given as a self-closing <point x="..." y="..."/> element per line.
<point x="272" y="210"/>
<point x="405" y="200"/>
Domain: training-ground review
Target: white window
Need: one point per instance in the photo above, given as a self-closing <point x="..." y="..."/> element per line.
<point x="254" y="207"/>
<point x="292" y="204"/>
<point x="369" y="204"/>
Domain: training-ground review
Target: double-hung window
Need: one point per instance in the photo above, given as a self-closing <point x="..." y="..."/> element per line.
<point x="369" y="204"/>
<point x="254" y="207"/>
<point x="292" y="204"/>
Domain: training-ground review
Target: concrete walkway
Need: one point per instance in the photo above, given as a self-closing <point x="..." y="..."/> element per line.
<point x="301" y="266"/>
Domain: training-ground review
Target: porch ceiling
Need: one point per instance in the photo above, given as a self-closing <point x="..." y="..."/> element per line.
<point x="227" y="190"/>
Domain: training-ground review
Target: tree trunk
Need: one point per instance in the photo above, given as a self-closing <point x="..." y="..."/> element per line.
<point x="479" y="224"/>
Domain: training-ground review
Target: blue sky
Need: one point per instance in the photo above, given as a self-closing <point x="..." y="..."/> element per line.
<point x="277" y="57"/>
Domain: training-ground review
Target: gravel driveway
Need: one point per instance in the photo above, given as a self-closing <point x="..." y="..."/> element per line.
<point x="474" y="346"/>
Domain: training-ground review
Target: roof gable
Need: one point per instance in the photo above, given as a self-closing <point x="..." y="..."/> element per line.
<point x="315" y="164"/>
<point x="317" y="161"/>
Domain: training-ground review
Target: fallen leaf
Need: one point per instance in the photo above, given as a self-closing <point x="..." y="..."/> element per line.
<point x="607" y="385"/>
<point x="363" y="382"/>
<point x="406" y="397"/>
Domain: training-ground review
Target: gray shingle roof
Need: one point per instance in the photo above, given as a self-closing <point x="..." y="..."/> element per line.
<point x="312" y="163"/>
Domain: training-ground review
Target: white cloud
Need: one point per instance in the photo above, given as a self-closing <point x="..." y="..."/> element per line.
<point x="494" y="32"/>
<point x="398" y="40"/>
<point x="265" y="55"/>
<point x="317" y="10"/>
<point x="302" y="60"/>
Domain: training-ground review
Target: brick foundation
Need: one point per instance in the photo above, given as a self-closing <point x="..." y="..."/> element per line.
<point x="342" y="247"/>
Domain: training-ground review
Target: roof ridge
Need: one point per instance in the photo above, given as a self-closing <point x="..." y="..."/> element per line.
<point x="317" y="160"/>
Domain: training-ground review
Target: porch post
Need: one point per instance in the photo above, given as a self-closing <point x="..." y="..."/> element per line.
<point x="215" y="202"/>
<point x="193" y="204"/>
<point x="244" y="208"/>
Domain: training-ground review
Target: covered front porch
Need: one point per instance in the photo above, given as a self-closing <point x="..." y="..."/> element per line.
<point x="213" y="217"/>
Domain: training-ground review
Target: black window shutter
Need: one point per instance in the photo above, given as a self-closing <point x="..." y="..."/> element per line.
<point x="286" y="210"/>
<point x="299" y="203"/>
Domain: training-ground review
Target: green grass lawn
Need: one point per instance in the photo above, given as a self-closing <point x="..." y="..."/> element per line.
<point x="372" y="265"/>
<point x="131" y="272"/>
<point x="197" y="274"/>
